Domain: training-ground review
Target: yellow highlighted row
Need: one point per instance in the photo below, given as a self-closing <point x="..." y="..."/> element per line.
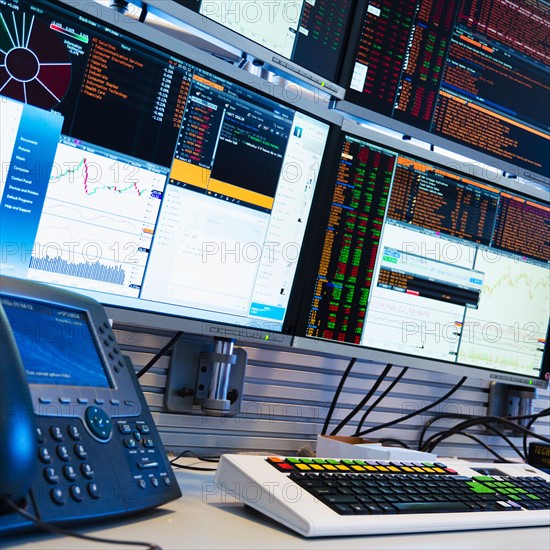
<point x="202" y="178"/>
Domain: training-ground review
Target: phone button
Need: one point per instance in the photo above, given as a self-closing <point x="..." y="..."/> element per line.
<point x="44" y="455"/>
<point x="124" y="428"/>
<point x="69" y="472"/>
<point x="51" y="476"/>
<point x="56" y="433"/>
<point x="57" y="495"/>
<point x="63" y="453"/>
<point x="40" y="437"/>
<point x="74" y="432"/>
<point x="98" y="422"/>
<point x="87" y="470"/>
<point x="93" y="490"/>
<point x="76" y="493"/>
<point x="80" y="451"/>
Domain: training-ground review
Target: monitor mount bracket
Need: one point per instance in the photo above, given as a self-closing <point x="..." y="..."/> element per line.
<point x="206" y="377"/>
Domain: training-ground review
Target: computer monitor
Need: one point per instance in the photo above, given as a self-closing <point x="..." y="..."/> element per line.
<point x="303" y="38"/>
<point x="143" y="179"/>
<point x="429" y="262"/>
<point x="467" y="76"/>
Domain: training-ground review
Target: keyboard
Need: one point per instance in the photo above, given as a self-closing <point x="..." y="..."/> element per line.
<point x="320" y="497"/>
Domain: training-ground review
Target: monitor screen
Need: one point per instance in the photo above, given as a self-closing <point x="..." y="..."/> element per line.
<point x="143" y="179"/>
<point x="305" y="37"/>
<point x="427" y="264"/>
<point x="472" y="73"/>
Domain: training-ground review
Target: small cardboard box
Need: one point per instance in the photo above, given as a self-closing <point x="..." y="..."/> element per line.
<point x="335" y="446"/>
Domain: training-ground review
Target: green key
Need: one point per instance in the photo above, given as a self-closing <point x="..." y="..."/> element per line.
<point x="514" y="497"/>
<point x="319" y="461"/>
<point x="483" y="478"/>
<point x="333" y="461"/>
<point x="534" y="497"/>
<point x="479" y="488"/>
<point x="293" y="460"/>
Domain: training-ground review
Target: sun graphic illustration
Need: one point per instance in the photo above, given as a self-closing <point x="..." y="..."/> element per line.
<point x="35" y="66"/>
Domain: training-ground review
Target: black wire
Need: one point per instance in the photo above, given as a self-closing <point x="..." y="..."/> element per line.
<point x="143" y="13"/>
<point x="422" y="446"/>
<point x="194" y="468"/>
<point x="481" y="421"/>
<point x="534" y="418"/>
<point x="56" y="530"/>
<point x="488" y="420"/>
<point x="431" y="421"/>
<point x="482" y="443"/>
<point x="190" y="466"/>
<point x="382" y="395"/>
<point x="415" y="413"/>
<point x="194" y="455"/>
<point x="337" y="395"/>
<point x="168" y="346"/>
<point x="391" y="440"/>
<point x="361" y="403"/>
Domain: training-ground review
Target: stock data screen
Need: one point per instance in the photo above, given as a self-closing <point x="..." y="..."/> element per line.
<point x="419" y="259"/>
<point x="150" y="182"/>
<point x="312" y="34"/>
<point x="472" y="72"/>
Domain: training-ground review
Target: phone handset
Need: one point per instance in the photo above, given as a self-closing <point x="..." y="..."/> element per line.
<point x="18" y="445"/>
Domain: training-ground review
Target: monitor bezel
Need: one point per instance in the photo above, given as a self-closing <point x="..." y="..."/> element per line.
<point x="252" y="50"/>
<point x="469" y="169"/>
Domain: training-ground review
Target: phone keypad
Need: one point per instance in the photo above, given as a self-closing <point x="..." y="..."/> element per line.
<point x="66" y="470"/>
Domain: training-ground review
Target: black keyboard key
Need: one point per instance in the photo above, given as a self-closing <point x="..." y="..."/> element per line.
<point x="343" y="509"/>
<point x="339" y="499"/>
<point x="430" y="507"/>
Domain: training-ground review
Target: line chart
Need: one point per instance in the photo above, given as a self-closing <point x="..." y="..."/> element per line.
<point x="89" y="189"/>
<point x="97" y="222"/>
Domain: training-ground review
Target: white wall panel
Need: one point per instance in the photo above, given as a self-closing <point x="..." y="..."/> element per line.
<point x="287" y="395"/>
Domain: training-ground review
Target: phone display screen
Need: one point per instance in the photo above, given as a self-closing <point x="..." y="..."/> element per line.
<point x="56" y="344"/>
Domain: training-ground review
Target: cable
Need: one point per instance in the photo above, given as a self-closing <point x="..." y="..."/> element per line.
<point x="424" y="447"/>
<point x="167" y="347"/>
<point x="436" y="438"/>
<point x="361" y="403"/>
<point x="375" y="404"/>
<point x="534" y="418"/>
<point x="395" y="442"/>
<point x="143" y="13"/>
<point x="194" y="455"/>
<point x="415" y="413"/>
<point x="191" y="466"/>
<point x="56" y="530"/>
<point x="483" y="444"/>
<point x="337" y="395"/>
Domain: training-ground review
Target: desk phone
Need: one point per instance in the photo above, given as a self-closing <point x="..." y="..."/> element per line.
<point x="77" y="440"/>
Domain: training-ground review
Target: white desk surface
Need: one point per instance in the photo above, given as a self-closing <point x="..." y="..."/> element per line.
<point x="201" y="520"/>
